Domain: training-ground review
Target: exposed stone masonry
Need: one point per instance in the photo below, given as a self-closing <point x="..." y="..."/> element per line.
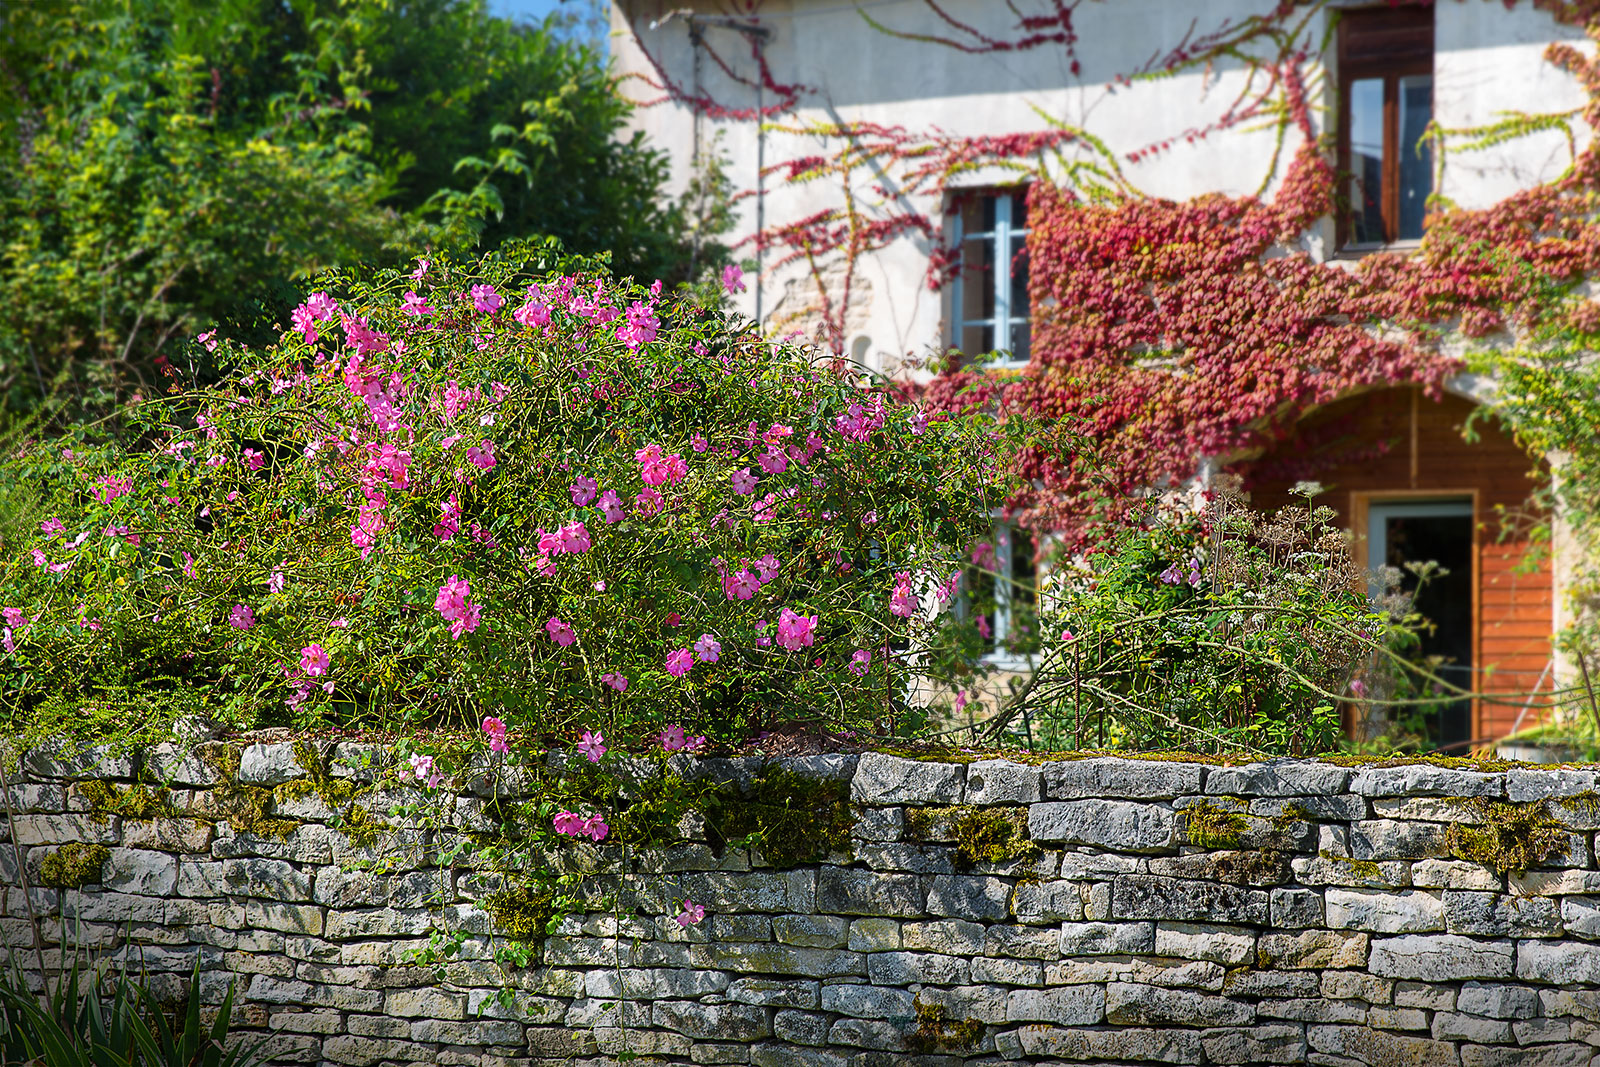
<point x="1326" y="917"/>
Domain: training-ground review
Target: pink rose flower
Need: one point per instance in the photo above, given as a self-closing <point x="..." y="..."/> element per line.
<point x="679" y="663"/>
<point x="560" y="632"/>
<point x="314" y="660"/>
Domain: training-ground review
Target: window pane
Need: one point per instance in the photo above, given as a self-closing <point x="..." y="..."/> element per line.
<point x="976" y="340"/>
<point x="1416" y="154"/>
<point x="1019" y="341"/>
<point x="1366" y="161"/>
<point x="1019" y="282"/>
<point x="1023" y="617"/>
<point x="977" y="278"/>
<point x="1019" y="210"/>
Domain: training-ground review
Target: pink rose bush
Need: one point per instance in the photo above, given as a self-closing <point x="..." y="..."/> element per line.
<point x="498" y="483"/>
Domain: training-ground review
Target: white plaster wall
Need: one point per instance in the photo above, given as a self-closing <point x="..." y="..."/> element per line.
<point x="1488" y="61"/>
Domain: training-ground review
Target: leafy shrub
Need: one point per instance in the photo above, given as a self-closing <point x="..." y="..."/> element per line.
<point x="509" y="486"/>
<point x="1209" y="629"/>
<point x="72" y="1025"/>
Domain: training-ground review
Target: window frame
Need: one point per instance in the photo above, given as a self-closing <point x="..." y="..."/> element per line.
<point x="1007" y="241"/>
<point x="1384" y="43"/>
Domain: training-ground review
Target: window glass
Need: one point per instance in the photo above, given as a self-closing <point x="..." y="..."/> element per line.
<point x="991" y="291"/>
<point x="1416" y="154"/>
<point x="1366" y="161"/>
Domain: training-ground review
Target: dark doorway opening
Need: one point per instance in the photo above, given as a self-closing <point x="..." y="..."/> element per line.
<point x="1401" y="532"/>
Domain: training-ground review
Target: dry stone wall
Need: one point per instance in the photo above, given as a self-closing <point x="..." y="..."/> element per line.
<point x="1153" y="912"/>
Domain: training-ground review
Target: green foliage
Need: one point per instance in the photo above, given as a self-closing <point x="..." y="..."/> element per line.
<point x="792" y="819"/>
<point x="311" y="491"/>
<point x="170" y="165"/>
<point x="73" y="865"/>
<point x="74" y="1026"/>
<point x="1211" y="629"/>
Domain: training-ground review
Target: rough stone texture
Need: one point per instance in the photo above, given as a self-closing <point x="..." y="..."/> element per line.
<point x="1107" y="824"/>
<point x="1338" y="932"/>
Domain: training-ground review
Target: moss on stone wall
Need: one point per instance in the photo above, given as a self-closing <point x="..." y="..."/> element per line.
<point x="74" y="865"/>
<point x="137" y="802"/>
<point x="1209" y="826"/>
<point x="1511" y="838"/>
<point x="791" y="818"/>
<point x="937" y="1032"/>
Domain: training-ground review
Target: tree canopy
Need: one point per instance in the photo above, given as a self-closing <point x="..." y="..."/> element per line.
<point x="166" y="165"/>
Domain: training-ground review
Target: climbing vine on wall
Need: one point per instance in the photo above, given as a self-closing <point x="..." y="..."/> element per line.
<point x="1182" y="330"/>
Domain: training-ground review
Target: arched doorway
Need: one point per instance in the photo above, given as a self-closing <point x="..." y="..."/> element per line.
<point x="1405" y="481"/>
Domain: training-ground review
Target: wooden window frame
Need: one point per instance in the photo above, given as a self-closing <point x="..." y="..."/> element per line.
<point x="1387" y="43"/>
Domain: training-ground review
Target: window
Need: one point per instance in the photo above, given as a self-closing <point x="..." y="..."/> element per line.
<point x="1000" y="594"/>
<point x="990" y="295"/>
<point x="1385" y="105"/>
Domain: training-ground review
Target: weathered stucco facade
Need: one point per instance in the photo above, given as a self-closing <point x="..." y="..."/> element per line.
<point x="1488" y="62"/>
<point x="1150" y="911"/>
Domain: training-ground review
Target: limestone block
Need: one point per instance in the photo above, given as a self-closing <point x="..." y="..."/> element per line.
<point x="1023" y="942"/>
<point x="774" y="992"/>
<point x="968" y="897"/>
<point x="1452" y="1026"/>
<point x="65" y="758"/>
<point x="800" y="1027"/>
<point x="874" y="935"/>
<point x="1311" y="950"/>
<point x="789" y="1056"/>
<point x="1178" y="974"/>
<point x="1501" y="915"/>
<point x="1278" y="778"/>
<point x="1555" y="962"/>
<point x="142" y="871"/>
<point x="1107" y="939"/>
<point x="1254" y="1045"/>
<point x="177" y="765"/>
<point x="842" y="891"/>
<point x="1026" y="973"/>
<point x="1146" y="1005"/>
<point x="1333" y="808"/>
<point x="1420" y="779"/>
<point x="269" y="764"/>
<point x="773" y="959"/>
<point x="1083" y="1005"/>
<point x="1442" y="958"/>
<point x="1295" y="909"/>
<point x="1112" y="777"/>
<point x="1523" y="785"/>
<point x="1367" y="1046"/>
<point x="1108" y="824"/>
<point x="731" y="1022"/>
<point x="867" y="1002"/>
<point x="1046" y="903"/>
<point x="1112" y="1046"/>
<point x="1454" y="874"/>
<point x="1497" y="1001"/>
<point x="1137" y="896"/>
<point x="951" y="937"/>
<point x="1231" y="946"/>
<point x="1003" y="782"/>
<point x="868" y="1033"/>
<point x="881" y="779"/>
<point x="1353" y="985"/>
<point x="904" y="968"/>
<point x="810" y="931"/>
<point x="1384" y="911"/>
